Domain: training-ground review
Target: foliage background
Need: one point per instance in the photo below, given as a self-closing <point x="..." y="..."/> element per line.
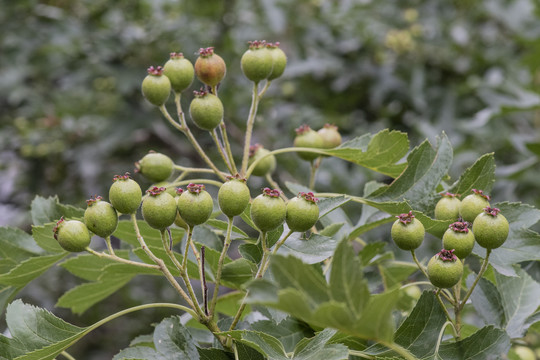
<point x="72" y="116"/>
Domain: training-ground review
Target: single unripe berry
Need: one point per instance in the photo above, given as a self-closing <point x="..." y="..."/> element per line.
<point x="302" y="212"/>
<point x="156" y="87"/>
<point x="266" y="165"/>
<point x="307" y="137"/>
<point x="100" y="217"/>
<point x="155" y="166"/>
<point x="459" y="238"/>
<point x="445" y="269"/>
<point x="206" y="110"/>
<point x="491" y="228"/>
<point x="407" y="232"/>
<point x="159" y="208"/>
<point x="233" y="196"/>
<point x="210" y="67"/>
<point x="125" y="194"/>
<point x="257" y="62"/>
<point x="279" y="60"/>
<point x="195" y="205"/>
<point x="180" y="72"/>
<point x="447" y="208"/>
<point x="72" y="235"/>
<point x="330" y="135"/>
<point x="268" y="210"/>
<point x="473" y="204"/>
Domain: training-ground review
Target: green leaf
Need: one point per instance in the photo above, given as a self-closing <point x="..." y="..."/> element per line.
<point x="370" y="251"/>
<point x="394" y="272"/>
<point x="359" y="230"/>
<point x="289" y="331"/>
<point x="222" y="225"/>
<point x="238" y="272"/>
<point x="419" y="331"/>
<point x="317" y="348"/>
<point x="29" y="269"/>
<point x="171" y="341"/>
<point x="41" y="334"/>
<point x="265" y="344"/>
<point x="46" y="210"/>
<point x="152" y="237"/>
<point x="418" y="183"/>
<point x="331" y="230"/>
<point x="82" y="297"/>
<point x="380" y="154"/>
<point x="311" y="251"/>
<point x="251" y="252"/>
<point x="376" y="322"/>
<point x="481" y="175"/>
<point x="327" y="205"/>
<point x="520" y="297"/>
<point x="19" y="239"/>
<point x="487" y="343"/>
<point x="206" y="236"/>
<point x="90" y="267"/>
<point x="213" y="354"/>
<point x="43" y="236"/>
<point x="486" y="300"/>
<point x="347" y="283"/>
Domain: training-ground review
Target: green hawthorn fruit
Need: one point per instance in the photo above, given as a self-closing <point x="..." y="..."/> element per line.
<point x="309" y="138"/>
<point x="159" y="208"/>
<point x="206" y="110"/>
<point x="473" y="204"/>
<point x="167" y="185"/>
<point x="407" y="232"/>
<point x="100" y="217"/>
<point x="179" y="221"/>
<point x="233" y="196"/>
<point x="302" y="212"/>
<point x="72" y="235"/>
<point x="459" y="238"/>
<point x="156" y="87"/>
<point x="268" y="210"/>
<point x="125" y="194"/>
<point x="490" y="228"/>
<point x="210" y="67"/>
<point x="330" y="136"/>
<point x="155" y="166"/>
<point x="445" y="269"/>
<point x="279" y="60"/>
<point x="195" y="205"/>
<point x="257" y="62"/>
<point x="447" y="207"/>
<point x="180" y="72"/>
<point x="266" y="165"/>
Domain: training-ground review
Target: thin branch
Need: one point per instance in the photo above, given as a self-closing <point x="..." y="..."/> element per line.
<point x="249" y="129"/>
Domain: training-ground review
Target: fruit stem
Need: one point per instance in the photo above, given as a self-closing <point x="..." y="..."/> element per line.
<point x="225" y="137"/>
<point x="185" y="129"/>
<point x="265" y="87"/>
<point x="275" y="185"/>
<point x="283" y="151"/>
<point x="438" y="295"/>
<point x="441" y="333"/>
<point x="260" y="273"/>
<point x="161" y="264"/>
<point x="249" y="129"/>
<point x="67" y="355"/>
<point x="195" y="170"/>
<point x="197" y="181"/>
<point x="400" y="350"/>
<point x="203" y="282"/>
<point x="281" y="242"/>
<point x="109" y="245"/>
<point x="457" y="310"/>
<point x="121" y="260"/>
<point x="221" y="151"/>
<point x="314" y="167"/>
<point x="480" y="274"/>
<point x="226" y="245"/>
<point x="186" y="249"/>
<point x="418" y="264"/>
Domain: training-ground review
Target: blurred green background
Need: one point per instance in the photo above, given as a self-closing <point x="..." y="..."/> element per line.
<point x="72" y="115"/>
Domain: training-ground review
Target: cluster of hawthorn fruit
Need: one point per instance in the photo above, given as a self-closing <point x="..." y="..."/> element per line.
<point x="164" y="205"/>
<point x="475" y="222"/>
